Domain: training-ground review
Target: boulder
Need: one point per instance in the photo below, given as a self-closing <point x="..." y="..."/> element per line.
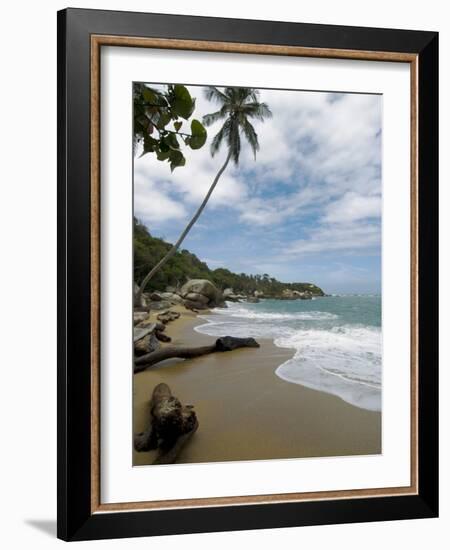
<point x="171" y="297"/>
<point x="190" y="304"/>
<point x="196" y="297"/>
<point x="139" y="316"/>
<point x="147" y="327"/>
<point x="147" y="344"/>
<point x="140" y="332"/>
<point x="161" y="304"/>
<point x="252" y="299"/>
<point x="306" y="295"/>
<point x="154" y="297"/>
<point x="229" y="295"/>
<point x="205" y="288"/>
<point x="168" y="316"/>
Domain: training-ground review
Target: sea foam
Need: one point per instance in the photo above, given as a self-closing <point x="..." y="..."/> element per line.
<point x="331" y="355"/>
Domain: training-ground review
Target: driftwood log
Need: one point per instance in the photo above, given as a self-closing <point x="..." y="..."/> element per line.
<point x="226" y="343"/>
<point x="171" y="425"/>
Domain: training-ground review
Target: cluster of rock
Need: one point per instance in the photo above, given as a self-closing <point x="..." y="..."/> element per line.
<point x="196" y="294"/>
<point x="289" y="294"/>
<point x="230" y="295"/>
<point x="148" y="334"/>
<point x="201" y="294"/>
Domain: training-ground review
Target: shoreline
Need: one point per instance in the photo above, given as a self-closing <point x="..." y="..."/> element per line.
<point x="246" y="411"/>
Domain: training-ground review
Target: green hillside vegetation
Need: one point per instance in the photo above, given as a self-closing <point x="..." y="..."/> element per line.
<point x="184" y="265"/>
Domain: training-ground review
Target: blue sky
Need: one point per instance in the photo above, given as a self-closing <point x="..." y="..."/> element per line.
<point x="307" y="210"/>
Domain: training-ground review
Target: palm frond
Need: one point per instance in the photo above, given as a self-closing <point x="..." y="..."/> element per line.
<point x="260" y="111"/>
<point x="211" y="118"/>
<point x="212" y="93"/>
<point x="234" y="141"/>
<point x="221" y="135"/>
<point x="249" y="95"/>
<point x="251" y="135"/>
<point x="237" y="106"/>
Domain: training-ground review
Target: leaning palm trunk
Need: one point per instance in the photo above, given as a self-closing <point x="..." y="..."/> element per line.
<point x="175" y="247"/>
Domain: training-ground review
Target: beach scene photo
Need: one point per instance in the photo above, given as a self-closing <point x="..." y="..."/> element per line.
<point x="257" y="311"/>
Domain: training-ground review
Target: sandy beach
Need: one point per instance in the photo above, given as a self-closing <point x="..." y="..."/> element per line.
<point x="246" y="411"/>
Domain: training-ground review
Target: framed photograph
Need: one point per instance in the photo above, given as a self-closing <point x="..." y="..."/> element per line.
<point x="247" y="274"/>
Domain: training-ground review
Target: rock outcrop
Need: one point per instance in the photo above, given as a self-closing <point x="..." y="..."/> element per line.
<point x="296" y="295"/>
<point x="145" y="337"/>
<point x="230" y="296"/>
<point x="201" y="292"/>
<point x="171" y="297"/>
<point x="139" y="316"/>
<point x="195" y="300"/>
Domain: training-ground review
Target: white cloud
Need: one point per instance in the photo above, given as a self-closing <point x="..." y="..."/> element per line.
<point x="352" y="207"/>
<point x="151" y="205"/>
<point x="189" y="184"/>
<point x="319" y="155"/>
<point x="345" y="238"/>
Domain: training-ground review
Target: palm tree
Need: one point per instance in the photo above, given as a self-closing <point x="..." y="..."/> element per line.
<point x="237" y="106"/>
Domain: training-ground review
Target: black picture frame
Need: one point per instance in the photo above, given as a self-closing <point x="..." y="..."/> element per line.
<point x="75" y="518"/>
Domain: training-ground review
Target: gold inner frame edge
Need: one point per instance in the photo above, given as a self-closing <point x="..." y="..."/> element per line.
<point x="97" y="41"/>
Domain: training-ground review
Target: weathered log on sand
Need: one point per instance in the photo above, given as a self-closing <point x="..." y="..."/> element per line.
<point x="226" y="343"/>
<point x="229" y="343"/>
<point x="149" y="359"/>
<point x="171" y="425"/>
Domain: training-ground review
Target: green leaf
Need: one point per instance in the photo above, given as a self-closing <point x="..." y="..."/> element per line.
<point x="171" y="141"/>
<point x="178" y="125"/>
<point x="198" y="136"/>
<point x="164" y="118"/>
<point x="150" y="144"/>
<point x="164" y="148"/>
<point x="176" y="159"/>
<point x="181" y="102"/>
<point x="150" y="96"/>
<point x="163" y="155"/>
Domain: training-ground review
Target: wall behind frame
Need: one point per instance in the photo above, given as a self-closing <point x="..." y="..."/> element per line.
<point x="28" y="277"/>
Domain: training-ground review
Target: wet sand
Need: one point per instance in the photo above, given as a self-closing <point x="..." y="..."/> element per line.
<point x="246" y="412"/>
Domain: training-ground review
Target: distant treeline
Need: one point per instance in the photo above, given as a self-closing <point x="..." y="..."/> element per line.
<point x="184" y="265"/>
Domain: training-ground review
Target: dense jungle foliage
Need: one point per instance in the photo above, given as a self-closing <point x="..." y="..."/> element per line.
<point x="184" y="265"/>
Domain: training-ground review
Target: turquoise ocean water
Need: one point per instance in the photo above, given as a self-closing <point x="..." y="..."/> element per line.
<point x="337" y="341"/>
